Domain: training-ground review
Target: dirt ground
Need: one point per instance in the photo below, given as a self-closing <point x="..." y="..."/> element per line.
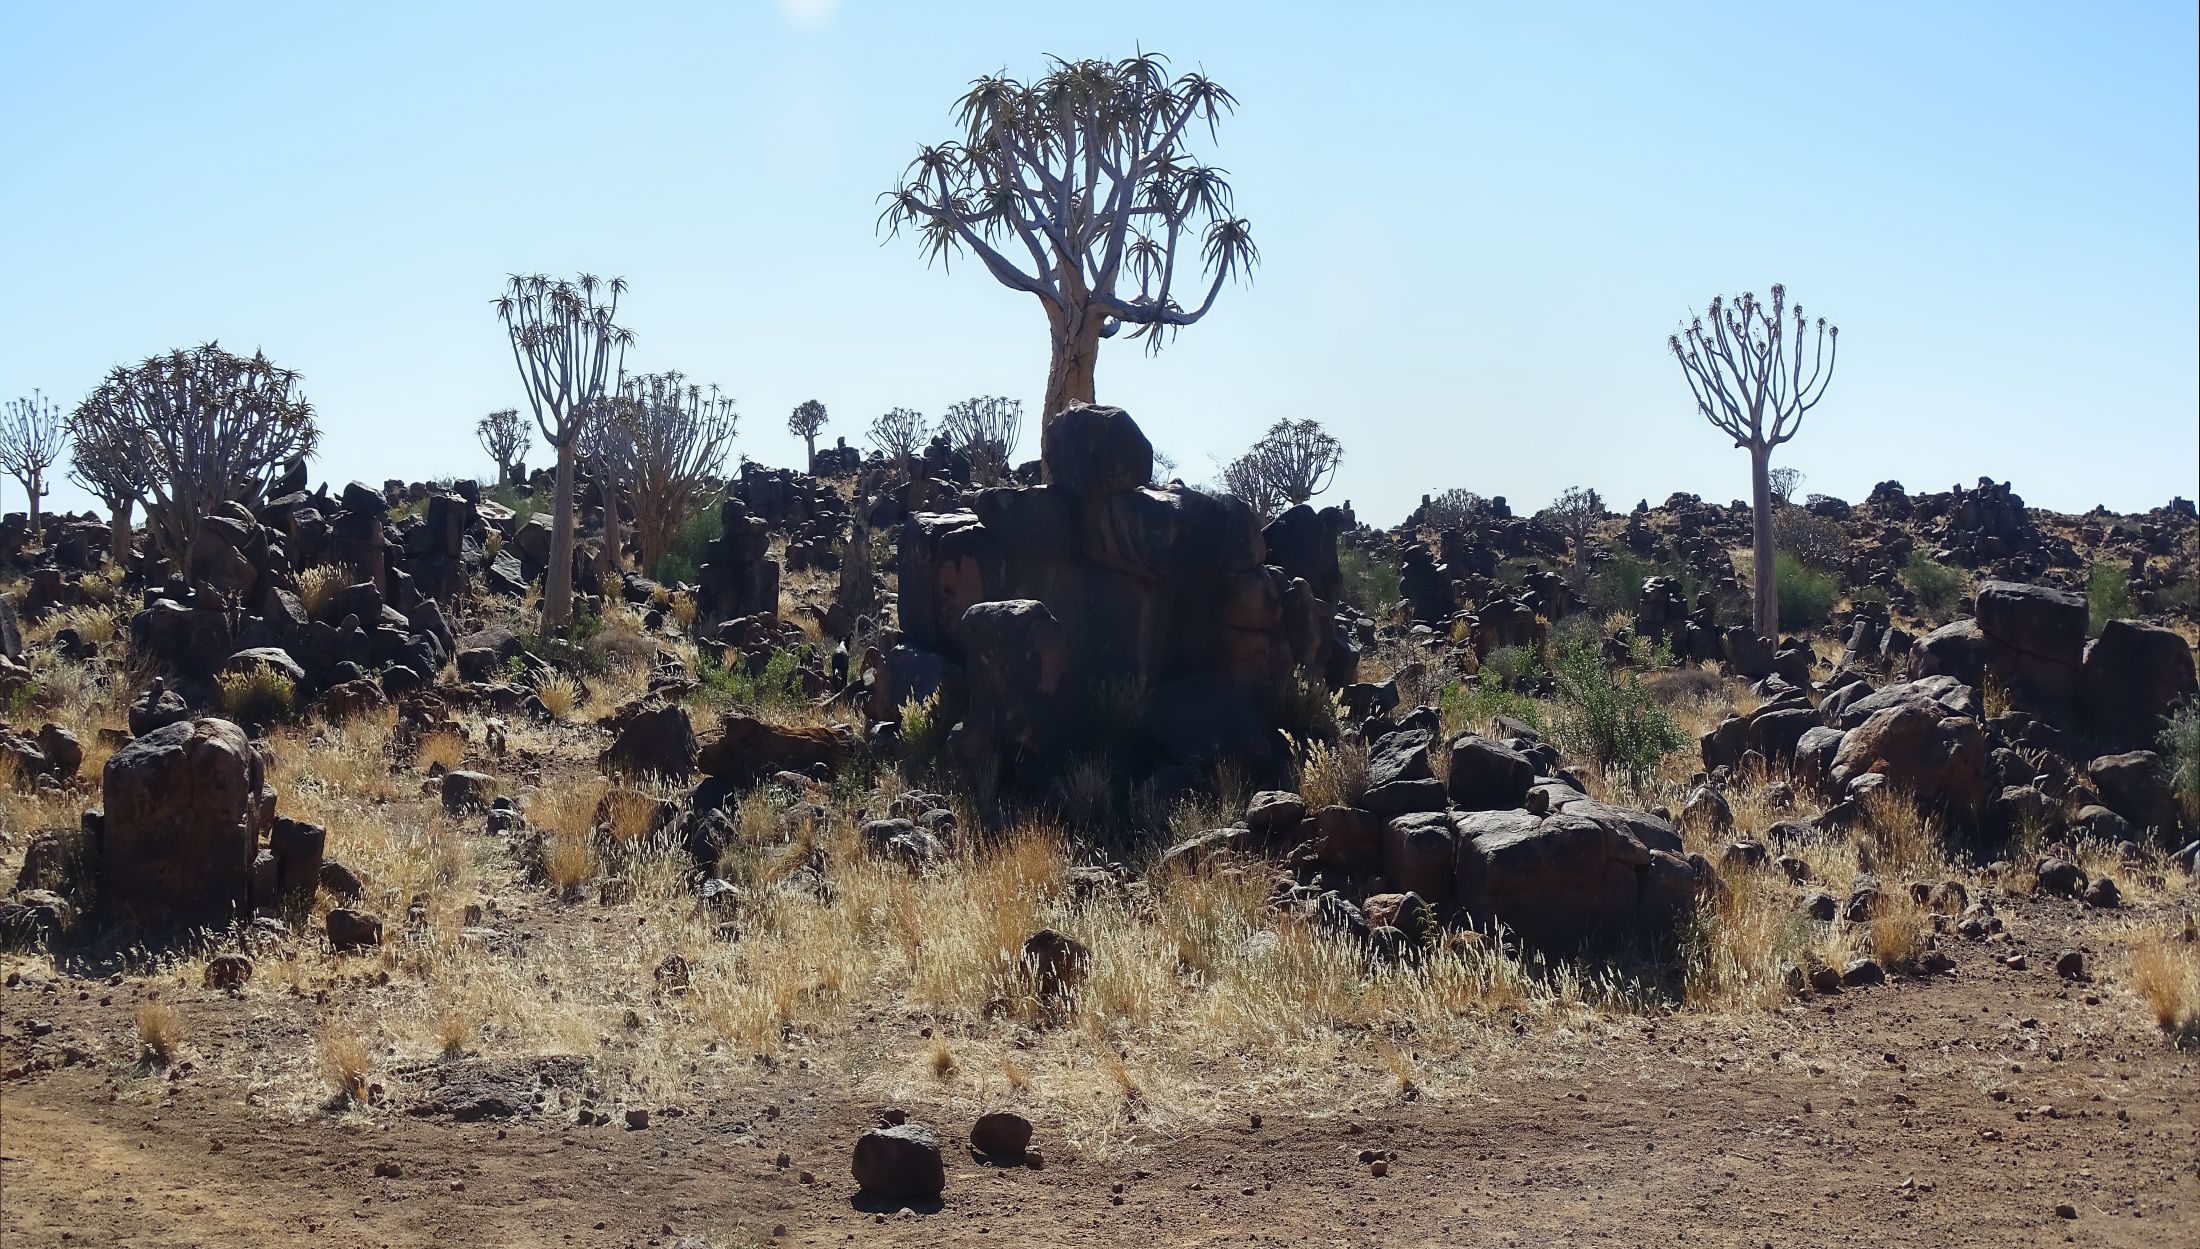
<point x="1992" y="1106"/>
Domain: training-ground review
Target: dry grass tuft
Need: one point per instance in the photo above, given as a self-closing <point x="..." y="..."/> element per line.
<point x="560" y="695"/>
<point x="443" y="747"/>
<point x="318" y="587"/>
<point x="160" y="1030"/>
<point x="345" y="1060"/>
<point x="1334" y="775"/>
<point x="256" y="695"/>
<point x="2165" y="972"/>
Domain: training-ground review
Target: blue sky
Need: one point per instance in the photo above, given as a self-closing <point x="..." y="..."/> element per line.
<point x="1478" y="223"/>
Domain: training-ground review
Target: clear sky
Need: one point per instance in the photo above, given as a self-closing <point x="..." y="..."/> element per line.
<point x="1478" y="223"/>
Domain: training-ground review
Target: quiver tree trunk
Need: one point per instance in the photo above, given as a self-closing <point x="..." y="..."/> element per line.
<point x="557" y="580"/>
<point x="1764" y="564"/>
<point x="119" y="538"/>
<point x="1076" y="351"/>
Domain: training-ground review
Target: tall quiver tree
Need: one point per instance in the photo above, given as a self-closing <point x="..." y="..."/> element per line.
<point x="679" y="435"/>
<point x="1089" y="172"/>
<point x="31" y="438"/>
<point x="568" y="346"/>
<point x="215" y="429"/>
<point x="111" y="463"/>
<point x="504" y="436"/>
<point x="1754" y="369"/>
<point x="806" y="422"/>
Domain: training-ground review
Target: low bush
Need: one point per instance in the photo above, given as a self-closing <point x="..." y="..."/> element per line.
<point x="1807" y="594"/>
<point x="1471" y="708"/>
<point x="778" y="685"/>
<point x="2107" y="597"/>
<point x="257" y="695"/>
<point x="1937" y="587"/>
<point x="2180" y="743"/>
<point x="1370" y="584"/>
<point x="1816" y="540"/>
<point x="682" y="562"/>
<point x="1614" y="721"/>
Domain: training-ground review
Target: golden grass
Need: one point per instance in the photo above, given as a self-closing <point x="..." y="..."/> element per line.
<point x="560" y="695"/>
<point x="1333" y="775"/>
<point x="255" y="694"/>
<point x="318" y="587"/>
<point x="345" y="1060"/>
<point x="2165" y="972"/>
<point x="161" y="1031"/>
<point x="443" y="746"/>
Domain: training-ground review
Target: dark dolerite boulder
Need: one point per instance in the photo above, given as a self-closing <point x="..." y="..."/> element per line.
<point x="2133" y="676"/>
<point x="902" y="1161"/>
<point x="185" y="809"/>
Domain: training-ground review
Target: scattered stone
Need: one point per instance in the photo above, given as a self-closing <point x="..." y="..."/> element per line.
<point x="899" y="1161"/>
<point x="1001" y="1134"/>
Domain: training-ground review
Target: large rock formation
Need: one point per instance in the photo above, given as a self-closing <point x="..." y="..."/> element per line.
<point x="186" y="807"/>
<point x="1156" y="605"/>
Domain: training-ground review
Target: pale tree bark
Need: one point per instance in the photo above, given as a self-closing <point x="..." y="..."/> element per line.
<point x="118" y="526"/>
<point x="1763" y="559"/>
<point x="557" y="580"/>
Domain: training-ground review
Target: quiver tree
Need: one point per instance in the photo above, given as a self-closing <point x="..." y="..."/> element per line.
<point x="1754" y="371"/>
<point x="1784" y="480"/>
<point x="504" y="436"/>
<point x="567" y="345"/>
<point x="110" y="462"/>
<point x="31" y="437"/>
<point x="985" y="429"/>
<point x="1089" y="175"/>
<point x="897" y="434"/>
<point x="1576" y="512"/>
<point x="214" y="429"/>
<point x="1293" y="462"/>
<point x="678" y="436"/>
<point x="607" y="451"/>
<point x="806" y="422"/>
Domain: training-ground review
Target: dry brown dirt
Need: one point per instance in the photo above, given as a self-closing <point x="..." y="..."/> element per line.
<point x="1957" y="1110"/>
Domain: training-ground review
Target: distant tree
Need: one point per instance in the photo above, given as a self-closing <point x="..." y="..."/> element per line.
<point x="31" y="438"/>
<point x="112" y="464"/>
<point x="806" y="422"/>
<point x="215" y="429"/>
<point x="1292" y="462"/>
<point x="504" y="436"/>
<point x="1245" y="478"/>
<point x="1088" y="170"/>
<point x="897" y="435"/>
<point x="985" y="428"/>
<point x="679" y="435"/>
<point x="1576" y="512"/>
<point x="606" y="438"/>
<point x="1784" y="480"/>
<point x="1746" y="369"/>
<point x="567" y="345"/>
<point x="1454" y="509"/>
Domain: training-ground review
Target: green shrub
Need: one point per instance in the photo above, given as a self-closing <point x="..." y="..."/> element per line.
<point x="1937" y="587"/>
<point x="683" y="560"/>
<point x="1614" y="722"/>
<point x="923" y="728"/>
<point x="1508" y="664"/>
<point x="1369" y="584"/>
<point x="2107" y="597"/>
<point x="1471" y="708"/>
<point x="2180" y="744"/>
<point x="1807" y="594"/>
<point x="779" y="685"/>
<point x="255" y="696"/>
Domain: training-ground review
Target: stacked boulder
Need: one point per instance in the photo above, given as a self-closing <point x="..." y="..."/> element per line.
<point x="1501" y="842"/>
<point x="1040" y="603"/>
